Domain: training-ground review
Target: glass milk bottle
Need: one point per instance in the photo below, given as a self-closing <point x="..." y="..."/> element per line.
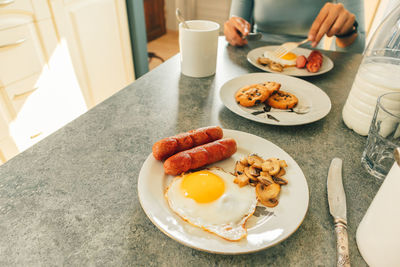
<point x="379" y="73"/>
<point x="378" y="235"/>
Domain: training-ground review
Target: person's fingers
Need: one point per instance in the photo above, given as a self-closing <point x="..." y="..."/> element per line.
<point x="348" y="25"/>
<point x="334" y="11"/>
<point x="232" y="35"/>
<point x="247" y="27"/>
<point x="227" y="32"/>
<point x="241" y="25"/>
<point x="338" y="24"/>
<point x="238" y="40"/>
<point x="323" y="13"/>
<point x="325" y="26"/>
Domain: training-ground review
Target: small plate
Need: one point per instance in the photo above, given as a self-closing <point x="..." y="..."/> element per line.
<point x="313" y="105"/>
<point x="266" y="228"/>
<point x="253" y="55"/>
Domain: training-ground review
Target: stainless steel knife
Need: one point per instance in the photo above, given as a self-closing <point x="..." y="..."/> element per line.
<point x="337" y="207"/>
<point x="253" y="36"/>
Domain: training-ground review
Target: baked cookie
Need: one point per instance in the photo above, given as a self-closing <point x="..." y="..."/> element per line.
<point x="272" y="87"/>
<point x="251" y="95"/>
<point x="282" y="100"/>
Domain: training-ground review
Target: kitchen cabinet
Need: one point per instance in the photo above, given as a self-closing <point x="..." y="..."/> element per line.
<point x="97" y="34"/>
<point x="58" y="58"/>
<point x="21" y="44"/>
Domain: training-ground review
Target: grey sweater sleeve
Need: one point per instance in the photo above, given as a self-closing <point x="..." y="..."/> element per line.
<point x="243" y="9"/>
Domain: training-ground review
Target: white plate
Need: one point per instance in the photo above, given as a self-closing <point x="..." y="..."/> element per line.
<point x="269" y="227"/>
<point x="308" y="95"/>
<point x="254" y="54"/>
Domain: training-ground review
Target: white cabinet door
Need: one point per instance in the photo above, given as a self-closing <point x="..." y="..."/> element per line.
<point x="7" y="149"/>
<point x="21" y="53"/>
<point x="97" y="34"/>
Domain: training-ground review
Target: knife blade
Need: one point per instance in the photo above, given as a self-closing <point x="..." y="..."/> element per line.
<point x="337" y="208"/>
<point x="253" y="36"/>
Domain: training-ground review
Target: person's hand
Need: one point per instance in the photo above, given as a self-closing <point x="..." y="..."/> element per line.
<point x="235" y="29"/>
<point x="332" y="19"/>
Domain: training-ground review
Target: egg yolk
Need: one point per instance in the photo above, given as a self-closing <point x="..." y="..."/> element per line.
<point x="289" y="56"/>
<point x="202" y="186"/>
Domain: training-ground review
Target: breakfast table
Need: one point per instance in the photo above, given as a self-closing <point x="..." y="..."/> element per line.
<point x="72" y="199"/>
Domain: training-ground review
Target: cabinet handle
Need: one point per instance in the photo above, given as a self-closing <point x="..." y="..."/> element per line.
<point x="5" y="2"/>
<point x="23" y="95"/>
<point x="36" y="135"/>
<point x="18" y="42"/>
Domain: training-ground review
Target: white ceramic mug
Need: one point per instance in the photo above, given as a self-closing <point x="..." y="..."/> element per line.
<point x="198" y="48"/>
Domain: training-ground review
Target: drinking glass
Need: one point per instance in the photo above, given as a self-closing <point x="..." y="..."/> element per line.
<point x="383" y="136"/>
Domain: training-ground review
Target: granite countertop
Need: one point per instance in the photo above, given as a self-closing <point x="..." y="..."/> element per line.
<point x="72" y="198"/>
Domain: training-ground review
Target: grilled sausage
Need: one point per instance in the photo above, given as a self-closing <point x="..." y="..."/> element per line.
<point x="169" y="146"/>
<point x="301" y="62"/>
<point x="314" y="61"/>
<point x="200" y="156"/>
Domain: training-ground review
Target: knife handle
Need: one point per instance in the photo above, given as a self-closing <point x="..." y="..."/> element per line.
<point x="342" y="244"/>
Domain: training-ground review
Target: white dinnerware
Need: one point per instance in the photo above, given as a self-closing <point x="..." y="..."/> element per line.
<point x="254" y="54"/>
<point x="313" y="105"/>
<point x="266" y="228"/>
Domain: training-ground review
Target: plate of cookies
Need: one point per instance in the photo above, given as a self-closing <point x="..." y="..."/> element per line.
<point x="275" y="99"/>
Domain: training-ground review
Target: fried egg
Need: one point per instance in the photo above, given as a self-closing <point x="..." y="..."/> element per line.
<point x="210" y="200"/>
<point x="288" y="59"/>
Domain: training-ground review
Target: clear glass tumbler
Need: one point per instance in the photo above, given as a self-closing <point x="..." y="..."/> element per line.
<point x="383" y="136"/>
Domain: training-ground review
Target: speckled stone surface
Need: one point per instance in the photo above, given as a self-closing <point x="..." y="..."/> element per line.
<point x="72" y="198"/>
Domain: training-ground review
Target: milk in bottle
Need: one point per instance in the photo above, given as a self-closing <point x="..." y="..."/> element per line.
<point x="379" y="73"/>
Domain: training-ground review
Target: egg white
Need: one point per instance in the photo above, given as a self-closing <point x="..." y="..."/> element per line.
<point x="270" y="55"/>
<point x="225" y="217"/>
